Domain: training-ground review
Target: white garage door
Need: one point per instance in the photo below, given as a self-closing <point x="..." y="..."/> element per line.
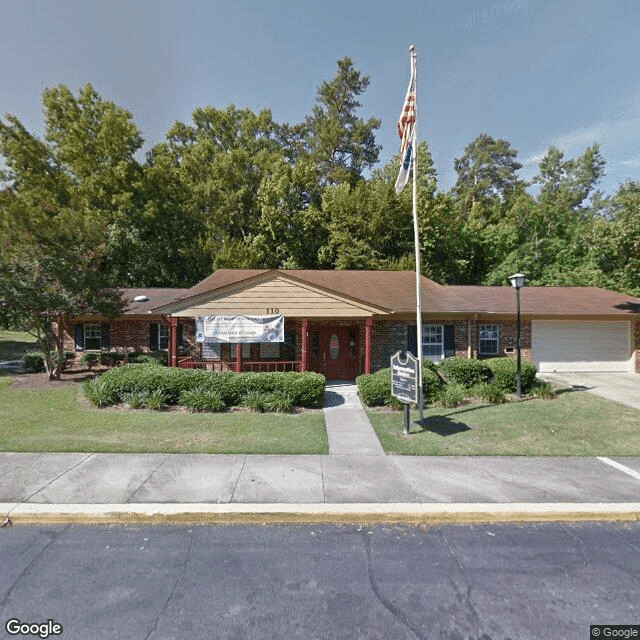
<point x="581" y="346"/>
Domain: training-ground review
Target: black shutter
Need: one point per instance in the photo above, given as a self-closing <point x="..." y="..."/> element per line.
<point x="412" y="339"/>
<point x="153" y="336"/>
<point x="79" y="330"/>
<point x="180" y="336"/>
<point x="105" y="342"/>
<point x="449" y="341"/>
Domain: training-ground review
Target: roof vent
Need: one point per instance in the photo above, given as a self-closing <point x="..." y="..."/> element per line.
<point x="141" y="299"/>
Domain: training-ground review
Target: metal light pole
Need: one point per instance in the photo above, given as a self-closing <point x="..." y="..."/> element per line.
<point x="517" y="281"/>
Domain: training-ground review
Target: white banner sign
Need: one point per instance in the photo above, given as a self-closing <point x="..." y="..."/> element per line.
<point x="240" y="329"/>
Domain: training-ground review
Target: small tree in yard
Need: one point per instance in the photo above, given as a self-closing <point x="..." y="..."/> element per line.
<point x="40" y="293"/>
<point x="68" y="200"/>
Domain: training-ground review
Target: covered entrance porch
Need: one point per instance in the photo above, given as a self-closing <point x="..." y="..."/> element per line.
<point x="325" y="331"/>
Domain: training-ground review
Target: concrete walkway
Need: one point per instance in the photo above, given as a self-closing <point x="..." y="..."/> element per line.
<point x="348" y="428"/>
<point x="623" y="388"/>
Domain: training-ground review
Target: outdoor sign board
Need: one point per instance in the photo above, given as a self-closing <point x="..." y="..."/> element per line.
<point x="240" y="329"/>
<point x="404" y="377"/>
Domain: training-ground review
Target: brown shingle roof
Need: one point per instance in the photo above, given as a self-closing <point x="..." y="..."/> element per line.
<point x="395" y="290"/>
<point x="157" y="298"/>
<point x="390" y="289"/>
<point x="545" y="300"/>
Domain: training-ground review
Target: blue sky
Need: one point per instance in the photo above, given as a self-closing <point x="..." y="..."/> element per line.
<point x="535" y="72"/>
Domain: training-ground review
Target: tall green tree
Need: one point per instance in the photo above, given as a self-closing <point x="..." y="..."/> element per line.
<point x="71" y="194"/>
<point x="340" y="143"/>
<point x="487" y="175"/>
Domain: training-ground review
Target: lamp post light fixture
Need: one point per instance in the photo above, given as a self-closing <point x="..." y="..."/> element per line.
<point x="517" y="282"/>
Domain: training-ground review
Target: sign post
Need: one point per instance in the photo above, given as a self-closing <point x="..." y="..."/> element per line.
<point x="405" y="375"/>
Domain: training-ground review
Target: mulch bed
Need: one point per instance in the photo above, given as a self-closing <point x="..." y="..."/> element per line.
<point x="38" y="381"/>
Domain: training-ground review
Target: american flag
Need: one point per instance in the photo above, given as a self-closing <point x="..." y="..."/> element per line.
<point x="406" y="130"/>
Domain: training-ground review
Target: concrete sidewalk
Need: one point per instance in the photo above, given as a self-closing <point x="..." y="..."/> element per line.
<point x="36" y="487"/>
<point x="355" y="482"/>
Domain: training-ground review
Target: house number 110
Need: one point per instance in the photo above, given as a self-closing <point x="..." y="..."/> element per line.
<point x="273" y="310"/>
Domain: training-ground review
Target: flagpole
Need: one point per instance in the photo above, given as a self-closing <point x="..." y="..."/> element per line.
<point x="414" y="68"/>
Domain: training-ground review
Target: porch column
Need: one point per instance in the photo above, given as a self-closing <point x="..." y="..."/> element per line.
<point x="368" y="347"/>
<point x="304" y="364"/>
<point x="239" y="357"/>
<point x="173" y="342"/>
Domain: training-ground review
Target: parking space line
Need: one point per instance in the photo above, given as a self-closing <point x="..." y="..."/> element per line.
<point x="620" y="467"/>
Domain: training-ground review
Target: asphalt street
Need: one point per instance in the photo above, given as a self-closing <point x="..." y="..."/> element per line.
<point x="450" y="582"/>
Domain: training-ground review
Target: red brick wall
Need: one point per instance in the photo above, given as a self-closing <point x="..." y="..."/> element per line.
<point x="391" y="336"/>
<point x="131" y="334"/>
<point x="636" y="346"/>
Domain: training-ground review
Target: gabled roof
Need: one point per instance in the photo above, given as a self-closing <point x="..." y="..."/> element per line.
<point x="393" y="290"/>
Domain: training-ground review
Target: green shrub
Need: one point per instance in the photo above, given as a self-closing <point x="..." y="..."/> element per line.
<point x="201" y="399"/>
<point x="135" y="400"/>
<point x="255" y="400"/>
<point x="111" y="358"/>
<point x="452" y="395"/>
<point x="505" y="373"/>
<point x="277" y="401"/>
<point x="375" y="389"/>
<point x="465" y="371"/>
<point x="155" y="400"/>
<point x="90" y="359"/>
<point x="542" y="390"/>
<point x="34" y="361"/>
<point x="488" y="392"/>
<point x="431" y="384"/>
<point x="98" y="393"/>
<point x="304" y="389"/>
<point x="429" y="364"/>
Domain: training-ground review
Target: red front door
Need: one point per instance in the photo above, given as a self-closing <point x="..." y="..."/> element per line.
<point x="334" y="351"/>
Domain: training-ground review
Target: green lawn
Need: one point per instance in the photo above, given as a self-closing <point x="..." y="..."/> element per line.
<point x="574" y="424"/>
<point x="60" y="419"/>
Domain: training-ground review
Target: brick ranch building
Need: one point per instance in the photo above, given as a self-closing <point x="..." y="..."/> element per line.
<point x="343" y="323"/>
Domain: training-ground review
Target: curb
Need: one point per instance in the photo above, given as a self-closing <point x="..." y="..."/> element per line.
<point x="409" y="513"/>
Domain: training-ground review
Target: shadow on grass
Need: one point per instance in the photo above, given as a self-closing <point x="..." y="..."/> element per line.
<point x="572" y="388"/>
<point x="442" y="425"/>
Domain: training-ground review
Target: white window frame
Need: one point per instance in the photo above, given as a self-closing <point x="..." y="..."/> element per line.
<point x="163" y="336"/>
<point x="494" y="336"/>
<point x="88" y="329"/>
<point x="433" y="342"/>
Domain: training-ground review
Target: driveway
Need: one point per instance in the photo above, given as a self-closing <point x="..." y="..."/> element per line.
<point x="623" y="388"/>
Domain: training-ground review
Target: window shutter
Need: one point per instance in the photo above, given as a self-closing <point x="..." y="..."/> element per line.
<point x="153" y="336"/>
<point x="79" y="330"/>
<point x="181" y="336"/>
<point x="412" y="339"/>
<point x="449" y="340"/>
<point x="105" y="342"/>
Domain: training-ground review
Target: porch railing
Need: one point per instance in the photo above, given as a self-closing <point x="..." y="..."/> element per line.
<point x="254" y="366"/>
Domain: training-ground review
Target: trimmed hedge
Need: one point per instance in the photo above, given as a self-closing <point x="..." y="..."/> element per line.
<point x="304" y="389"/>
<point x="375" y="388"/>
<point x="505" y="372"/>
<point x="465" y="371"/>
